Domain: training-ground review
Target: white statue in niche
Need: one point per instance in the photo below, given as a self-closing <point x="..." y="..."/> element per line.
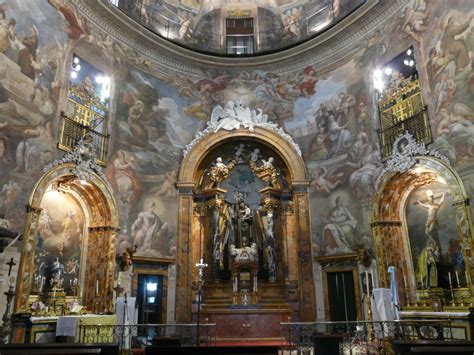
<point x="255" y="155"/>
<point x="239" y="151"/>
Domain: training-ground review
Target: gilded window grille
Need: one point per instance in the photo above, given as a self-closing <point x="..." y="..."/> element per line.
<point x="85" y="114"/>
<point x="401" y="109"/>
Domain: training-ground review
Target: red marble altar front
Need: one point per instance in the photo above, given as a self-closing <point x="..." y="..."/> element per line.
<point x="246" y="323"/>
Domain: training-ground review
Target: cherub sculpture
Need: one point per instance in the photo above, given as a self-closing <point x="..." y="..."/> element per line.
<point x="220" y="171"/>
<point x="266" y="172"/>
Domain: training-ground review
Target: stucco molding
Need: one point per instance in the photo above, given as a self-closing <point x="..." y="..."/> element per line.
<point x="404" y="152"/>
<point x="234" y="116"/>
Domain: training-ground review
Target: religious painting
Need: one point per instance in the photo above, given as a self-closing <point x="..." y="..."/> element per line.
<point x="142" y="171"/>
<point x="270" y="29"/>
<point x="338" y="229"/>
<point x="59" y="244"/>
<point x="167" y="18"/>
<point x="445" y="37"/>
<point x="436" y="248"/>
<point x="32" y="46"/>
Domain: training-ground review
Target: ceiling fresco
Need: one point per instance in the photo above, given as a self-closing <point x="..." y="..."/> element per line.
<point x="202" y="26"/>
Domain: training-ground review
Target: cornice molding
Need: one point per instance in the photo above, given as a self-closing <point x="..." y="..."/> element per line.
<point x="321" y="51"/>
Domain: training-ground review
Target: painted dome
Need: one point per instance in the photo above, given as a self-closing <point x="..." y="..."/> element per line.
<point x="237" y="27"/>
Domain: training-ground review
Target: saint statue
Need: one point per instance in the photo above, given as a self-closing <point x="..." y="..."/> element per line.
<point x="243" y="225"/>
<point x="427" y="270"/>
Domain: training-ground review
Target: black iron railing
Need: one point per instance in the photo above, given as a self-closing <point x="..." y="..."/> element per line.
<point x="364" y="337"/>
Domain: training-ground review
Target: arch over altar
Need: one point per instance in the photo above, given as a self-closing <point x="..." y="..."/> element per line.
<point x="240" y="143"/>
<point x="421" y="213"/>
<point x="68" y="251"/>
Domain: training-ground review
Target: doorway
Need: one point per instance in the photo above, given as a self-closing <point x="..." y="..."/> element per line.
<point x="342" y="296"/>
<point x="150" y="299"/>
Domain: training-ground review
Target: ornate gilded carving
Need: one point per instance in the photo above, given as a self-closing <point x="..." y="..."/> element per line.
<point x="266" y="172"/>
<point x="220" y="171"/>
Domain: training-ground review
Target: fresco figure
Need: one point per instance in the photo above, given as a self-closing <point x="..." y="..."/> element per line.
<point x="137" y="129"/>
<point x="453" y="47"/>
<point x="339" y="137"/>
<point x="323" y="181"/>
<point x="149" y="232"/>
<point x="339" y="232"/>
<point x="345" y="110"/>
<point x="37" y="141"/>
<point x="124" y="178"/>
<point x="185" y="31"/>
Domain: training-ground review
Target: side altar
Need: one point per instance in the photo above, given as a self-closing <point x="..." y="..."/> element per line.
<point x="422" y="228"/>
<point x="243" y="194"/>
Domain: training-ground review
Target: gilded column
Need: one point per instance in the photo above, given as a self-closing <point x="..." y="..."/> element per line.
<point x="27" y="267"/>
<point x="307" y="298"/>
<point x="464" y="223"/>
<point x="385" y="232"/>
<point x="184" y="253"/>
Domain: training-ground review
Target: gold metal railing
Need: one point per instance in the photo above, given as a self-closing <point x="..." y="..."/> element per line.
<point x="401" y="109"/>
<point x="85" y="114"/>
<point x="72" y="131"/>
<point x="417" y="125"/>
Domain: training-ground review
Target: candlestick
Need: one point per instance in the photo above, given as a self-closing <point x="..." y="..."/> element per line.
<point x="457" y="278"/>
<point x="449" y="277"/>
<point x="367" y="282"/>
<point x="372" y="278"/>
<point x="97" y="287"/>
<point x="405" y="285"/>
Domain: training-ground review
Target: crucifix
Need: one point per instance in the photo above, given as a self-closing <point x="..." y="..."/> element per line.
<point x="201" y="265"/>
<point x="10" y="264"/>
<point x="432" y="208"/>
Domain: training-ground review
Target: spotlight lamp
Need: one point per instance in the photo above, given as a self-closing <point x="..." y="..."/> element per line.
<point x="76" y="63"/>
